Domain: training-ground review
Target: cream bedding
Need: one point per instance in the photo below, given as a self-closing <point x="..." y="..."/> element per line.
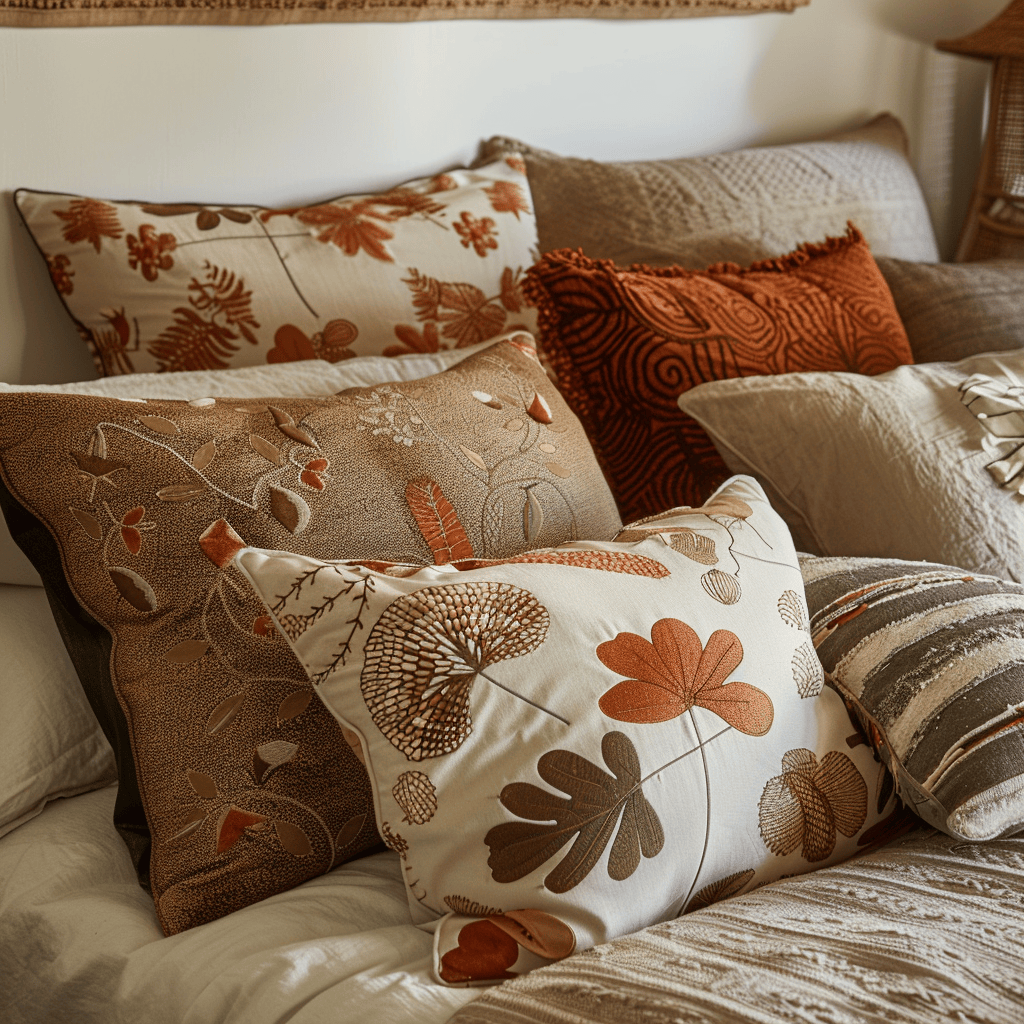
<point x="79" y="941"/>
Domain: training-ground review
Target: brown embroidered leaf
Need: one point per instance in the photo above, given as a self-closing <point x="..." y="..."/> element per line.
<point x="293" y="839"/>
<point x="720" y="890"/>
<point x="507" y="197"/>
<point x="263" y="447"/>
<point x="539" y="409"/>
<point x="134" y="589"/>
<point x="293" y="705"/>
<point x="533" y="516"/>
<point x="204" y="456"/>
<point x="195" y="818"/>
<point x="349" y="227"/>
<point x="289" y="509"/>
<point x="297" y="434"/>
<point x="416" y="795"/>
<point x="558" y="470"/>
<point x="511" y="293"/>
<point x="427" y="649"/>
<point x="537" y="931"/>
<point x="437" y="521"/>
<point x="88" y="523"/>
<point x="469" y="317"/>
<point x="224" y="713"/>
<point x="694" y="546"/>
<point x="232" y="823"/>
<point x="599" y="806"/>
<point x="484" y="953"/>
<point x="793" y="610"/>
<point x="187" y="651"/>
<point x="203" y="785"/>
<point x="220" y="543"/>
<point x="606" y="561"/>
<point x="474" y="457"/>
<point x="268" y="756"/>
<point x="723" y="587"/>
<point x="281" y="418"/>
<point x="426" y="295"/>
<point x="89" y="220"/>
<point x="349" y="831"/>
<point x="160" y="425"/>
<point x="182" y="492"/>
<point x="808" y="674"/>
<point x="673" y="673"/>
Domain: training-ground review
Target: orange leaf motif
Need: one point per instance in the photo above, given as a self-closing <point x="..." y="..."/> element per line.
<point x="310" y="476"/>
<point x="484" y="953"/>
<point x="349" y="228"/>
<point x="438" y="521"/>
<point x="671" y="673"/>
<point x="233" y="822"/>
<point x="89" y="220"/>
<point x="507" y="197"/>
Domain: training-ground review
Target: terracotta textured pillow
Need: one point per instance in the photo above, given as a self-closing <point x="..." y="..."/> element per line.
<point x="931" y="659"/>
<point x="925" y="462"/>
<point x="742" y="206"/>
<point x="955" y="310"/>
<point x="233" y="783"/>
<point x="432" y="264"/>
<point x="573" y="744"/>
<point x="626" y="343"/>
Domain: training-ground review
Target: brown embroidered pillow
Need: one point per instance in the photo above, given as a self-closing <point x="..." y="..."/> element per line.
<point x="431" y="264"/>
<point x="234" y="783"/>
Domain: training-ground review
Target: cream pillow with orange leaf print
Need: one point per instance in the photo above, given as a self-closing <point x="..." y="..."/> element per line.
<point x="574" y="743"/>
<point x="433" y="264"/>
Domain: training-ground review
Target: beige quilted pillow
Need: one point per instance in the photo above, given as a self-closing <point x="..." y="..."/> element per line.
<point x="743" y="206"/>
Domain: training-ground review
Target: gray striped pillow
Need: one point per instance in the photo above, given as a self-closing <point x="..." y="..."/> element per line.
<point x="931" y="660"/>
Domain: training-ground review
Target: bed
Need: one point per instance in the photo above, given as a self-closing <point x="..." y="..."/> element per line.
<point x="912" y="915"/>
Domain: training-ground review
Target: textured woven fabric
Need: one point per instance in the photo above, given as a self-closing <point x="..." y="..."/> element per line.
<point x="955" y="310"/>
<point x="931" y="659"/>
<point x="742" y="206"/>
<point x="237" y="781"/>
<point x="927" y="929"/>
<point x="625" y="344"/>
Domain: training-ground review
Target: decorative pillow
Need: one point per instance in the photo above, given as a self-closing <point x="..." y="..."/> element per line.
<point x="742" y="206"/>
<point x="432" y="264"/>
<point x="307" y="377"/>
<point x="955" y="310"/>
<point x="52" y="744"/>
<point x="565" y="746"/>
<point x="921" y="463"/>
<point x="625" y="343"/>
<point x="233" y="784"/>
<point x="931" y="660"/>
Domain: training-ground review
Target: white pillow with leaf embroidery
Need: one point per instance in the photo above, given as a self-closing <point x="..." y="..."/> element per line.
<point x="572" y="744"/>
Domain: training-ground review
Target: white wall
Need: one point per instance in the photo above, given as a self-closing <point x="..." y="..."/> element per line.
<point x="276" y="115"/>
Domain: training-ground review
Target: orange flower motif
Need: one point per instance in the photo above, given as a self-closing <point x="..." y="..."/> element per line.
<point x="131" y="527"/>
<point x="149" y="252"/>
<point x="311" y="477"/>
<point x="672" y="673"/>
<point x="477" y="232"/>
<point x="59" y="273"/>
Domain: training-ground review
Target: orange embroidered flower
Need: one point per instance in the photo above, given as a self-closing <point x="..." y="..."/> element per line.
<point x="131" y="527"/>
<point x="477" y="232"/>
<point x="59" y="273"/>
<point x="149" y="252"/>
<point x="672" y="673"/>
<point x="350" y="228"/>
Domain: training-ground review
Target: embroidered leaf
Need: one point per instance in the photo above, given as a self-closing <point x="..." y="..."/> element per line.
<point x="599" y="807"/>
<point x="672" y="673"/>
<point x="224" y="714"/>
<point x="720" y="890"/>
<point x="533" y="516"/>
<point x="160" y="425"/>
<point x="793" y="610"/>
<point x="298" y="434"/>
<point x="469" y="908"/>
<point x="134" y="516"/>
<point x="511" y="294"/>
<point x="606" y="561"/>
<point x="293" y="839"/>
<point x="537" y="931"/>
<point x="187" y="651"/>
<point x="293" y="705"/>
<point x="808" y="674"/>
<point x="220" y="543"/>
<point x="263" y="447"/>
<point x="182" y="492"/>
<point x="280" y="416"/>
<point x="484" y="953"/>
<point x="204" y="456"/>
<point x="203" y="785"/>
<point x="507" y="197"/>
<point x="263" y="625"/>
<point x="539" y="409"/>
<point x="195" y="818"/>
<point x="437" y="521"/>
<point x="271" y="755"/>
<point x="289" y="509"/>
<point x="134" y="589"/>
<point x="558" y="469"/>
<point x="694" y="546"/>
<point x="474" y="457"/>
<point x="88" y="523"/>
<point x="233" y="822"/>
<point x="89" y="220"/>
<point x="416" y="795"/>
<point x="310" y="475"/>
<point x="132" y="539"/>
<point x="723" y="587"/>
<point x="349" y="831"/>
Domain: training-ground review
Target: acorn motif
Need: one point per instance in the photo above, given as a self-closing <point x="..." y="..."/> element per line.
<point x="721" y="586"/>
<point x="415" y="794"/>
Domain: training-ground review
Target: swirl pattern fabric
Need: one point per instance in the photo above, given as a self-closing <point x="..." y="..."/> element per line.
<point x="626" y="343"/>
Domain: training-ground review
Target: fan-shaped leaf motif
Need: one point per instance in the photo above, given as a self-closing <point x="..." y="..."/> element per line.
<point x="134" y="589"/>
<point x="203" y="785"/>
<point x="160" y="425"/>
<point x="588" y="818"/>
<point x="268" y="756"/>
<point x="187" y="651"/>
<point x="416" y="795"/>
<point x="437" y="521"/>
<point x="232" y="823"/>
<point x="484" y="953"/>
<point x="426" y="650"/>
<point x="720" y="890"/>
<point x="224" y="713"/>
<point x="182" y="492"/>
<point x="672" y="673"/>
<point x="793" y="610"/>
<point x="204" y="456"/>
<point x="263" y="447"/>
<point x="88" y="523"/>
<point x="289" y="509"/>
<point x="293" y="705"/>
<point x="293" y="839"/>
<point x="537" y="931"/>
<point x="349" y="831"/>
<point x="808" y="674"/>
<point x="195" y="818"/>
<point x="809" y="802"/>
<point x="722" y="586"/>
